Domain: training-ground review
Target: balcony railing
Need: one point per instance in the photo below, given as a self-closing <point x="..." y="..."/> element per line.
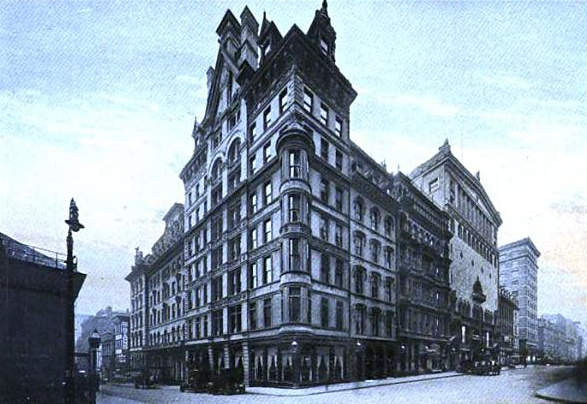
<point x="36" y="255"/>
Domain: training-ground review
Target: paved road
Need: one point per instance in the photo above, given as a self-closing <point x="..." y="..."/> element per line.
<point x="513" y="386"/>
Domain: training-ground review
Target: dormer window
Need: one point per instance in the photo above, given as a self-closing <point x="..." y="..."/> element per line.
<point x="324" y="47"/>
<point x="266" y="48"/>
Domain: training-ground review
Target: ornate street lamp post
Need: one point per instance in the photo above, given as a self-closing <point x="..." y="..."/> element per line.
<point x="71" y="268"/>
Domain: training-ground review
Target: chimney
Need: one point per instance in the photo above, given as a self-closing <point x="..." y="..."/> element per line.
<point x="249" y="45"/>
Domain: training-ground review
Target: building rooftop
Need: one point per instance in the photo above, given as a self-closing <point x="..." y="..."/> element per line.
<point x="520" y="243"/>
<point x="22" y="252"/>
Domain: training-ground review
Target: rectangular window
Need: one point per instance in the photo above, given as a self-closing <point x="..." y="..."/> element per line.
<point x="267" y="118"/>
<point x="389" y="324"/>
<point x="253" y="203"/>
<point x="338" y="161"/>
<point x="293" y="202"/>
<point x="359" y="280"/>
<point x="324" y="114"/>
<point x="252" y="164"/>
<point x="295" y="170"/>
<point x="338" y="127"/>
<point x="267" y="312"/>
<point x="339" y="315"/>
<point x="324" y="230"/>
<point x="267" y="230"/>
<point x="267" y="270"/>
<point x="217" y="322"/>
<point x="235" y="318"/>
<point x="253" y="131"/>
<point x="216" y="257"/>
<point x="253" y="315"/>
<point x="325" y="268"/>
<point x="360" y="319"/>
<point x="389" y="289"/>
<point x="234" y="282"/>
<point x="376" y="320"/>
<point x="216" y="231"/>
<point x="324" y="191"/>
<point x="294" y="304"/>
<point x="338" y="199"/>
<point x="324" y="148"/>
<point x="216" y="285"/>
<point x="324" y="312"/>
<point x="253" y="276"/>
<point x="234" y="215"/>
<point x="338" y="235"/>
<point x="253" y="238"/>
<point x="283" y="100"/>
<point x="294" y="254"/>
<point x="267" y="193"/>
<point x="338" y="273"/>
<point x="234" y="248"/>
<point x="308" y="100"/>
<point x="266" y="152"/>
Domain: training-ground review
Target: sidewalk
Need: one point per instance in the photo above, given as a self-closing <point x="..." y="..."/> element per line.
<point x="330" y="388"/>
<point x="567" y="391"/>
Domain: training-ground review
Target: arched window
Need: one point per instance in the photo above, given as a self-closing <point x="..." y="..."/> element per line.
<point x="375" y="216"/>
<point x="359" y="241"/>
<point x="233" y="152"/>
<point x="388" y="226"/>
<point x="216" y="169"/>
<point x="359" y="208"/>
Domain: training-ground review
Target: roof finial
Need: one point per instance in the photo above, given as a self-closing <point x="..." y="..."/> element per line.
<point x="324" y="9"/>
<point x="445" y="146"/>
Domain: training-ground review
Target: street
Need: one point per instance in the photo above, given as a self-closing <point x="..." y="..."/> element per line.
<point x="512" y="386"/>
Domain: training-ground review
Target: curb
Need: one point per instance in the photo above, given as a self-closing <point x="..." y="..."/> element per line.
<point x="356" y="387"/>
<point x="557" y="400"/>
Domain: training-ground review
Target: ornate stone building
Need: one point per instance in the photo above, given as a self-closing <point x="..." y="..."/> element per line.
<point x="424" y="300"/>
<point x="286" y="266"/>
<point x="474" y="222"/>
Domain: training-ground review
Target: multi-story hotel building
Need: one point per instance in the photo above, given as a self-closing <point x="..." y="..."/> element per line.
<point x="425" y="298"/>
<point x="518" y="266"/>
<point x="157" y="323"/>
<point x="474" y="221"/>
<point x="286" y="267"/>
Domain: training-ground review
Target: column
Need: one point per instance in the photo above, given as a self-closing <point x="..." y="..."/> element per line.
<point x="246" y="364"/>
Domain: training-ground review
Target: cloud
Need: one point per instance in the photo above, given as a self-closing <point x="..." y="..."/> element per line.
<point x="507" y="82"/>
<point x="429" y="105"/>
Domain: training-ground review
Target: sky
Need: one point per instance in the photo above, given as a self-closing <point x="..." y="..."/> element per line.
<point x="98" y="100"/>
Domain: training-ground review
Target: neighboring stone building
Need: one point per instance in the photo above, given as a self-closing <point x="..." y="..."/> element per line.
<point x="519" y="274"/>
<point x="157" y="321"/>
<point x="373" y="270"/>
<point x="474" y="222"/>
<point x="424" y="299"/>
<point x="507" y="327"/>
<point x="33" y="303"/>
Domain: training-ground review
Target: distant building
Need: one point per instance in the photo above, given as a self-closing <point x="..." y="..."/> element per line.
<point x="519" y="274"/>
<point x="112" y="326"/>
<point x="474" y="222"/>
<point x="568" y="341"/>
<point x="507" y="326"/>
<point x="33" y="302"/>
